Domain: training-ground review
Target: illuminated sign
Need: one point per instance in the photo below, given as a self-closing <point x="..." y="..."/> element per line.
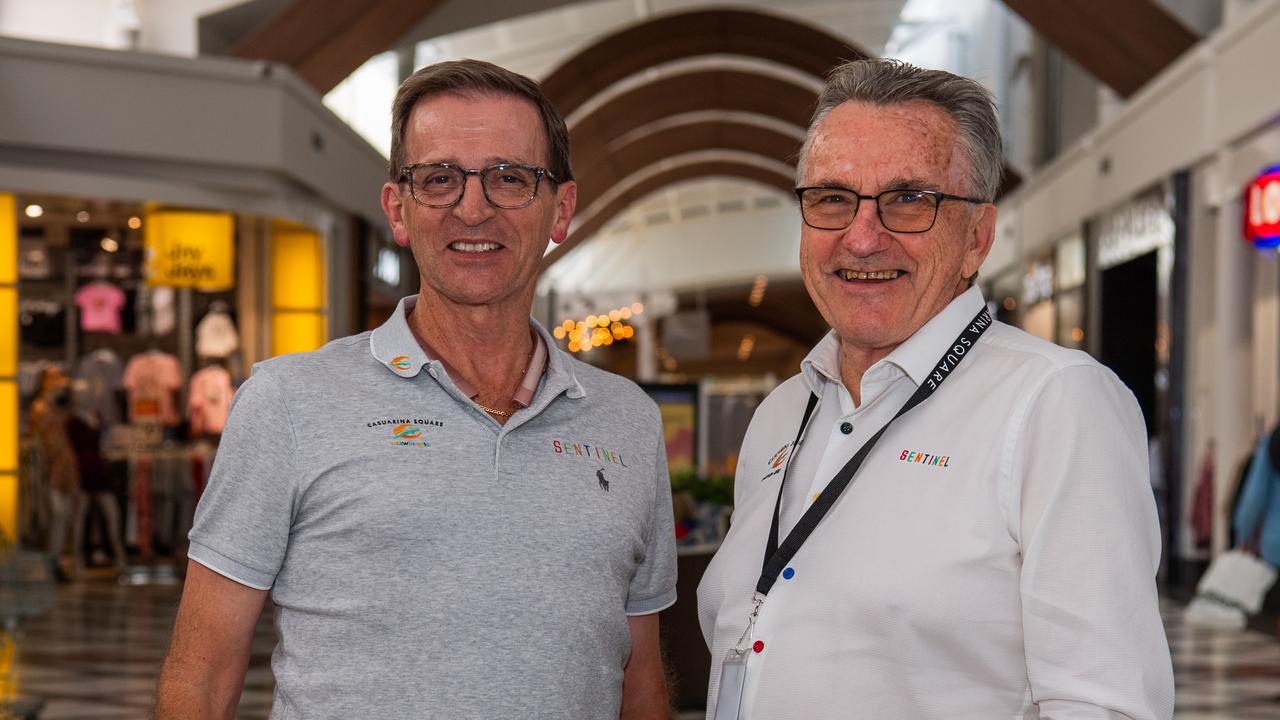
<point x="387" y="269"/>
<point x="1262" y="209"/>
<point x="190" y="249"/>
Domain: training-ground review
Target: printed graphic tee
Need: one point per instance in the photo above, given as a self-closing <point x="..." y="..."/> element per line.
<point x="151" y="379"/>
<point x="100" y="304"/>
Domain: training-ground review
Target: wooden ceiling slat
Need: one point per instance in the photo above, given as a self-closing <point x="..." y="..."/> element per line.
<point x="656" y="182"/>
<point x="625" y="161"/>
<point x="684" y="35"/>
<point x="324" y="41"/>
<point x="716" y="90"/>
<point x="1123" y="43"/>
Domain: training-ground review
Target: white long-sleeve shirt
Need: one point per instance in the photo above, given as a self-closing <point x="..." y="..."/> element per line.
<point x="995" y="557"/>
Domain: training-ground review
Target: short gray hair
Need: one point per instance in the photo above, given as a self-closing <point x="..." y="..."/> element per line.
<point x="893" y="82"/>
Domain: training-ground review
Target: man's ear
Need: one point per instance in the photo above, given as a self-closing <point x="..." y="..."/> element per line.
<point x="393" y="208"/>
<point x="566" y="203"/>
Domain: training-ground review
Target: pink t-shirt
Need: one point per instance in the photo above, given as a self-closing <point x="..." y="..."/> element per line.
<point x="151" y="379"/>
<point x="209" y="400"/>
<point x="100" y="305"/>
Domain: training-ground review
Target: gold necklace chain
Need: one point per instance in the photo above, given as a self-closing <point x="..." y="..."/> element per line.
<point x="491" y="411"/>
<point x="505" y="413"/>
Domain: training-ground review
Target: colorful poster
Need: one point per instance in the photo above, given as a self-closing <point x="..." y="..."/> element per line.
<point x="679" y="407"/>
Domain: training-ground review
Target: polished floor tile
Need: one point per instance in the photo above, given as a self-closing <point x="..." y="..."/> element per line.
<point x="96" y="654"/>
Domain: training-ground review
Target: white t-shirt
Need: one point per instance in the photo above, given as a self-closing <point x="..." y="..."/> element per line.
<point x="995" y="557"/>
<point x="216" y="336"/>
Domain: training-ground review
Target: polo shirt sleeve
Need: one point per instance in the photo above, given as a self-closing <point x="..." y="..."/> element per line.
<point x="653" y="587"/>
<point x="1086" y="521"/>
<point x="242" y="523"/>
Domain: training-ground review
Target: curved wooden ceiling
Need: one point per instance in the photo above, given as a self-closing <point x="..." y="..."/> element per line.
<point x="610" y="144"/>
<point x="647" y="149"/>
<point x="692" y="171"/>
<point x="692" y="34"/>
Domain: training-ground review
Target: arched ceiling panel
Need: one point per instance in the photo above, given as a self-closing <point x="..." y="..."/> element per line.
<point x="704" y="32"/>
<point x="1124" y="43"/>
<point x="326" y="40"/>
<point x="626" y="160"/>
<point x="606" y="209"/>
<point x="714" y="90"/>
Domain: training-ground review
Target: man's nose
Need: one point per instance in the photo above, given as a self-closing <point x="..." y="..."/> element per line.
<point x="866" y="234"/>
<point x="473" y="208"/>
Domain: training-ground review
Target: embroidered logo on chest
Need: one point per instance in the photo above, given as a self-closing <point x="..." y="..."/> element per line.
<point x="403" y="432"/>
<point x="777" y="462"/>
<point x="586" y="450"/>
<point x="919" y="457"/>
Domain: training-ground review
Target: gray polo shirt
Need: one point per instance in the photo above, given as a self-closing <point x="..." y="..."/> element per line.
<point x="424" y="560"/>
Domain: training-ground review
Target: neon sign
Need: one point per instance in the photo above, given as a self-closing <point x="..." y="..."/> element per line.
<point x="1262" y="209"/>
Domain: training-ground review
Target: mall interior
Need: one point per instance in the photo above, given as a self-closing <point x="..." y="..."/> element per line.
<point x="189" y="187"/>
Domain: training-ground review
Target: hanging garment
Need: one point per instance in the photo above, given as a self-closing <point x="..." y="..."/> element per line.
<point x="151" y="380"/>
<point x="100" y="304"/>
<point x="209" y="400"/>
<point x="216" y="335"/>
<point x="1202" y="506"/>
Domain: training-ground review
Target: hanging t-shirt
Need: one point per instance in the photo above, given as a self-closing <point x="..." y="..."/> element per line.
<point x="209" y="400"/>
<point x="42" y="323"/>
<point x="151" y="379"/>
<point x="34" y="262"/>
<point x="100" y="305"/>
<point x="216" y="336"/>
<point x="101" y="372"/>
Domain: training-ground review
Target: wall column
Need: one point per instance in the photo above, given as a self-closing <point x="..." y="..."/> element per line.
<point x="1232" y="427"/>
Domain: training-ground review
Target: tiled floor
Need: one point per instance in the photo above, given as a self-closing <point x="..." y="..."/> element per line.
<point x="96" y="655"/>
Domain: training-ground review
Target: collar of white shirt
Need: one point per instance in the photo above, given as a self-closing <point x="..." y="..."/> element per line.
<point x="914" y="358"/>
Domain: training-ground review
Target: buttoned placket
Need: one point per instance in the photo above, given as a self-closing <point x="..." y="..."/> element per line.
<point x="548" y="390"/>
<point x="885" y="385"/>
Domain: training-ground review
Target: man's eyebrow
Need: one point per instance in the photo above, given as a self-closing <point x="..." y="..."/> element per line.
<point x="916" y="183"/>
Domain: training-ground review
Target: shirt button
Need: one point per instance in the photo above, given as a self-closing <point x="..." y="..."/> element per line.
<point x="846" y="427"/>
<point x="788" y="573"/>
<point x="758" y="646"/>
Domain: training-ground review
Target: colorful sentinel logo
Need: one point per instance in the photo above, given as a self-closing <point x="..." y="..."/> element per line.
<point x="409" y="435"/>
<point x="776" y="461"/>
<point x="923" y="458"/>
<point x="400" y="362"/>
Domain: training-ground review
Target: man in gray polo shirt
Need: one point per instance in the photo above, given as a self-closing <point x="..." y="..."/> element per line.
<point x="453" y="518"/>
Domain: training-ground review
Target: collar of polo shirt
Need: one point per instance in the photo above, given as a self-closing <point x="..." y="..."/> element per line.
<point x="395" y="346"/>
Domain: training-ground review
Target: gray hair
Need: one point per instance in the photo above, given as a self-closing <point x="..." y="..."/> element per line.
<point x="893" y="82"/>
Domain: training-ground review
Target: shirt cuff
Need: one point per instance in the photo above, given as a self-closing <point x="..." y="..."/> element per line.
<point x="651" y="605"/>
<point x="230" y="569"/>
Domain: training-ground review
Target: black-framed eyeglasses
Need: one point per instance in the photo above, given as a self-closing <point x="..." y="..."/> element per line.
<point x="830" y="207"/>
<point x="509" y="186"/>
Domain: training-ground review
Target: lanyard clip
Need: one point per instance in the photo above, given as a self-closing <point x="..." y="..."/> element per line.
<point x="757" y="600"/>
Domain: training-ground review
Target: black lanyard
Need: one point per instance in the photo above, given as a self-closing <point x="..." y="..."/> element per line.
<point x="776" y="557"/>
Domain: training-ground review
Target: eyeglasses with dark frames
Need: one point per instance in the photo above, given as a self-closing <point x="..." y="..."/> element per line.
<point x="509" y="186"/>
<point x="831" y="207"/>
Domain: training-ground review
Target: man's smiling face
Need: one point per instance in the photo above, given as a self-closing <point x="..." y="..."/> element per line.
<point x="473" y="253"/>
<point x="873" y="286"/>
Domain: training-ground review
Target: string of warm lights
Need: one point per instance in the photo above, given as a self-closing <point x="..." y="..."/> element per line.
<point x="598" y="330"/>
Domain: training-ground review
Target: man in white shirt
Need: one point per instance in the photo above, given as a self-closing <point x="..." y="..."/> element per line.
<point x="994" y="553"/>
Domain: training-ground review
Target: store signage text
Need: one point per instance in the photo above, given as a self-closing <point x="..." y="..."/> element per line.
<point x="1262" y="209"/>
<point x="190" y="250"/>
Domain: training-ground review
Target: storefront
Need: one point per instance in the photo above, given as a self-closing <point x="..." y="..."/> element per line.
<point x="150" y="254"/>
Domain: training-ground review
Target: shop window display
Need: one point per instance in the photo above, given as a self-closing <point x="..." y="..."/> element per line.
<point x="150" y="370"/>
